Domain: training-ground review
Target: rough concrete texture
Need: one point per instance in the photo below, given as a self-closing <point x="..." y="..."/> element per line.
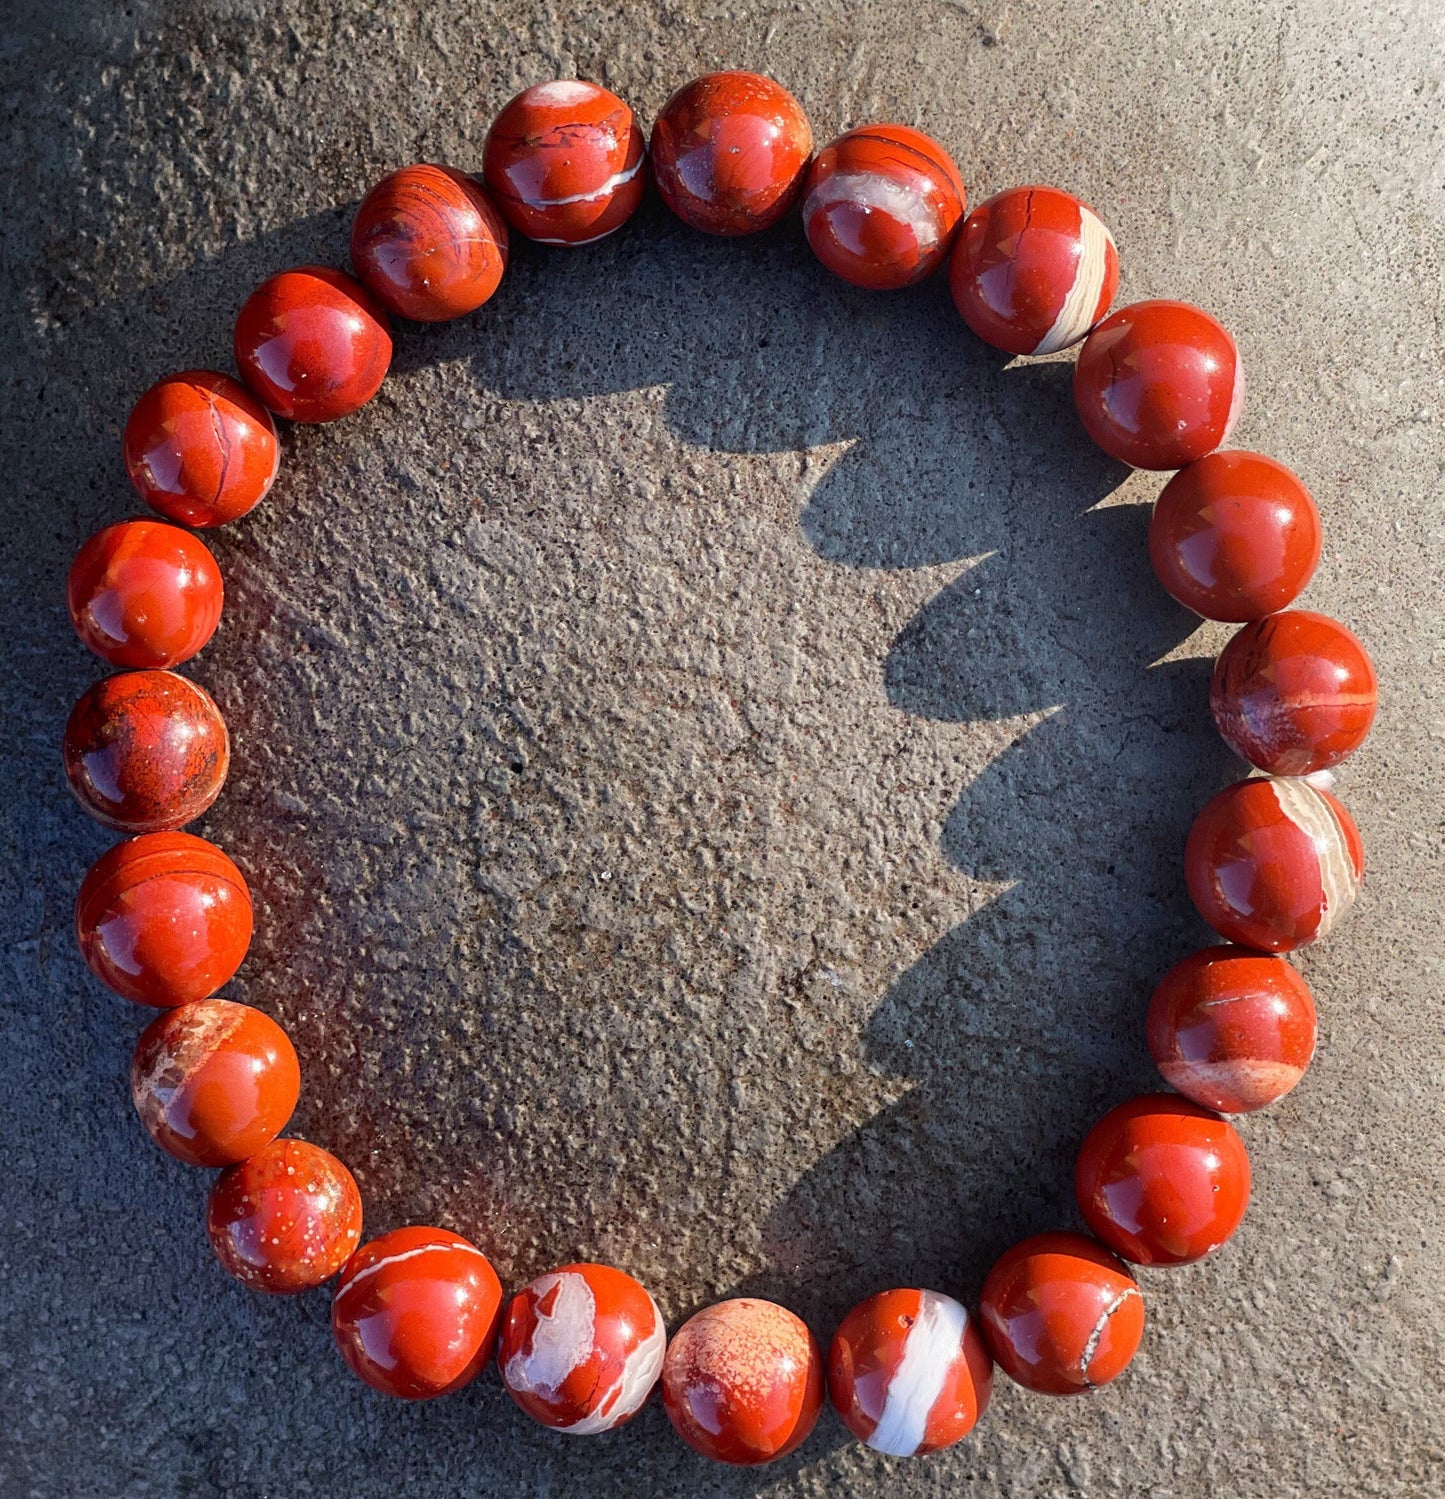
<point x="710" y="753"/>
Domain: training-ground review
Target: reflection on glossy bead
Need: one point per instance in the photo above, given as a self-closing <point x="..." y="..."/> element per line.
<point x="729" y="151"/>
<point x="200" y="448"/>
<point x="1162" y="1181"/>
<point x="582" y="1348"/>
<point x="908" y="1372"/>
<point x="1158" y="384"/>
<point x="564" y="161"/>
<point x="1273" y="864"/>
<point x="881" y="206"/>
<point x="1234" y="536"/>
<point x="313" y="343"/>
<point x="286" y="1219"/>
<point x="1231" y="1029"/>
<point x="214" y="1081"/>
<point x="1033" y="270"/>
<point x="429" y="244"/>
<point x="742" y="1381"/>
<point x="146" y="751"/>
<point x="415" y="1312"/>
<point x="1062" y="1314"/>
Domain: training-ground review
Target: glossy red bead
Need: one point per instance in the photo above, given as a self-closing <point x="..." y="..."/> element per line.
<point x="146" y="751"/>
<point x="1273" y="864"/>
<point x="564" y="161"/>
<point x="1234" y="536"/>
<point x="143" y="593"/>
<point x="313" y="343"/>
<point x="1158" y="384"/>
<point x="201" y="449"/>
<point x="908" y="1372"/>
<point x="415" y="1312"/>
<point x="285" y="1219"/>
<point x="1294" y="693"/>
<point x="729" y="151"/>
<point x="881" y="206"/>
<point x="1233" y="1030"/>
<point x="1061" y="1314"/>
<point x="214" y="1081"/>
<point x="428" y="244"/>
<point x="742" y="1381"/>
<point x="1033" y="270"/>
<point x="1162" y="1181"/>
<point x="582" y="1348"/>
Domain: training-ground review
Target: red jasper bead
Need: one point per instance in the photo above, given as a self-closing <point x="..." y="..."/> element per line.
<point x="564" y="162"/>
<point x="428" y="244"/>
<point x="1062" y="1315"/>
<point x="214" y="1081"/>
<point x="1234" y="536"/>
<point x="313" y="343"/>
<point x="200" y="448"/>
<point x="1231" y="1029"/>
<point x="1158" y="384"/>
<point x="742" y="1381"/>
<point x="415" y="1312"/>
<point x="729" y="151"/>
<point x="144" y="594"/>
<point x="285" y="1219"/>
<point x="1273" y="864"/>
<point x="881" y="206"/>
<point x="1162" y="1181"/>
<point x="908" y="1372"/>
<point x="582" y="1348"/>
<point x="146" y="751"/>
<point x="1294" y="693"/>
<point x="1033" y="270"/>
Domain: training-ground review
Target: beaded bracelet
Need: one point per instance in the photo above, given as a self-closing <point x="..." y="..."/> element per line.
<point x="1272" y="862"/>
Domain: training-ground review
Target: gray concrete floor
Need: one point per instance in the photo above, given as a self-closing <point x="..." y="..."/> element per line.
<point x="710" y="753"/>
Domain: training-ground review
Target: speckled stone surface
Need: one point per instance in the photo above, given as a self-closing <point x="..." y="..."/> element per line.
<point x="711" y="759"/>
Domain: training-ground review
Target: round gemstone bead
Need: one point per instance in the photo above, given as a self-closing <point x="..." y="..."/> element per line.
<point x="1162" y="1181"/>
<point x="428" y="243"/>
<point x="201" y="449"/>
<point x="565" y="162"/>
<point x="582" y="1348"/>
<point x="1273" y="864"/>
<point x="729" y="151"/>
<point x="881" y="206"/>
<point x="1231" y="1029"/>
<point x="742" y="1381"/>
<point x="313" y="343"/>
<point x="1158" y="384"/>
<point x="415" y="1312"/>
<point x="214" y="1081"/>
<point x="146" y="751"/>
<point x="1033" y="270"/>
<point x="1234" y="536"/>
<point x="285" y="1219"/>
<point x="908" y="1372"/>
<point x="145" y="594"/>
<point x="1294" y="693"/>
<point x="1062" y="1315"/>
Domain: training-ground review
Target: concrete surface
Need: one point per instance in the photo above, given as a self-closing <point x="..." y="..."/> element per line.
<point x="711" y="756"/>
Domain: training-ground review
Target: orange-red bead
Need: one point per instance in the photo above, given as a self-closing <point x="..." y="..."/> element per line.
<point x="146" y="751"/>
<point x="214" y="1081"/>
<point x="1062" y="1315"/>
<point x="1162" y="1181"/>
<point x="285" y="1219"/>
<point x="313" y="343"/>
<point x="729" y="151"/>
<point x="428" y="243"/>
<point x="415" y="1312"/>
